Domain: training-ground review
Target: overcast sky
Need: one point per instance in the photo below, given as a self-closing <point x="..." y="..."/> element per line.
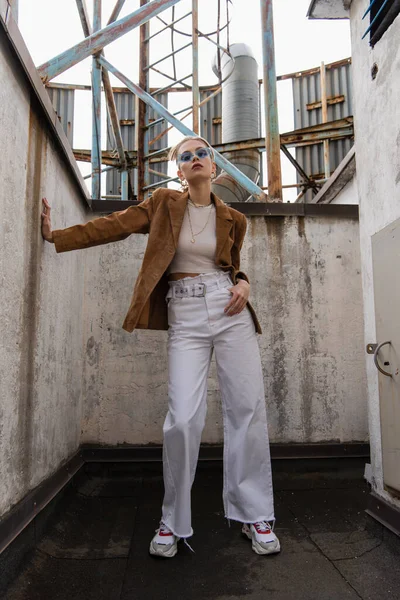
<point x="50" y="27"/>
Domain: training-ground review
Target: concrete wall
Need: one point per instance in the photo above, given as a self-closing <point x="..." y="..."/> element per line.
<point x="41" y="349"/>
<point x="377" y="127"/>
<point x="306" y="287"/>
<point x="349" y="194"/>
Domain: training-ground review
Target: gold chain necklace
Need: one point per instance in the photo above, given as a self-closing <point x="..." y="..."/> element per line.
<point x="201" y="230"/>
<point x="198" y="205"/>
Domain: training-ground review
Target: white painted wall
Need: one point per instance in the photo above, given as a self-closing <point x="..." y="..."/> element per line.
<point x="41" y="306"/>
<point x="377" y="126"/>
<point x="306" y="287"/>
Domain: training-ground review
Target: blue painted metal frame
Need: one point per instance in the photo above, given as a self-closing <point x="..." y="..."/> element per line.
<point x="221" y="161"/>
<point x="376" y="16"/>
<point x="96" y="42"/>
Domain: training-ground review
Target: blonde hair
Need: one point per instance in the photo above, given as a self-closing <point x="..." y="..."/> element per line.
<point x="173" y="153"/>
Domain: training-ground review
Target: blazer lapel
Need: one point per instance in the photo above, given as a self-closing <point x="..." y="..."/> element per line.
<point x="224" y="223"/>
<point x="176" y="207"/>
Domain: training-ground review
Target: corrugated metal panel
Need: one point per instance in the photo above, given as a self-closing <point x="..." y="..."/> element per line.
<point x="211" y="118"/>
<point x="63" y="103"/>
<point x="306" y="91"/>
<point x="162" y="142"/>
<point x="125" y="104"/>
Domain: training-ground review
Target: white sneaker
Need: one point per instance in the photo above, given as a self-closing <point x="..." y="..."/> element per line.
<point x="263" y="539"/>
<point x="164" y="543"/>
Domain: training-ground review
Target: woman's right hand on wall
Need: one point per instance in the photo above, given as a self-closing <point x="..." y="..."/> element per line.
<point x="46" y="222"/>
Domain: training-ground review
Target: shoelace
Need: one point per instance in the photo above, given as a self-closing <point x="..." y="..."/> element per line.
<point x="166" y="530"/>
<point x="263" y="526"/>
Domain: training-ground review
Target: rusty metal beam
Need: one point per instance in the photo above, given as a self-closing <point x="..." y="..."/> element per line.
<point x="272" y="139"/>
<point x="329" y="99"/>
<point x="220" y="160"/>
<point x="142" y="133"/>
<point x="99" y="39"/>
<point x="343" y="128"/>
<point x="324" y="106"/>
<point x="112" y="109"/>
<point x="84" y="16"/>
<point x="195" y="66"/>
<point x="116" y="10"/>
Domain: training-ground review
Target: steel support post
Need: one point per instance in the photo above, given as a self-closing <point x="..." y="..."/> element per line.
<point x="142" y="129"/>
<point x="96" y="114"/>
<point x="116" y="10"/>
<point x="112" y="109"/>
<point x="272" y="138"/>
<point x="84" y="16"/>
<point x="124" y="184"/>
<point x="324" y="106"/>
<point x="221" y="161"/>
<point x="99" y="39"/>
<point x="195" y="66"/>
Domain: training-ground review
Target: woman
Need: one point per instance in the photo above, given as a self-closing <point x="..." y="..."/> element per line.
<point x="190" y="284"/>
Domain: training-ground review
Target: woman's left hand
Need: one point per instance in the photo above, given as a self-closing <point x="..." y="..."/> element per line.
<point x="240" y="295"/>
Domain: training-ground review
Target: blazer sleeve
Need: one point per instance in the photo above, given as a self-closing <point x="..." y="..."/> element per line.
<point x="103" y="230"/>
<point x="240" y="232"/>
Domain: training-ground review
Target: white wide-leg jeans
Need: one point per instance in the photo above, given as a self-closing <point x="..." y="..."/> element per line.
<point x="197" y="326"/>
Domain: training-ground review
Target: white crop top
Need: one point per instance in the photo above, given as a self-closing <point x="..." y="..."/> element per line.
<point x="197" y="257"/>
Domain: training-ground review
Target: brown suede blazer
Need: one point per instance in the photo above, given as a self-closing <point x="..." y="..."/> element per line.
<point x="160" y="216"/>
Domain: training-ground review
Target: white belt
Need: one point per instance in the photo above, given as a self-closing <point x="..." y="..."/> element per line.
<point x="196" y="290"/>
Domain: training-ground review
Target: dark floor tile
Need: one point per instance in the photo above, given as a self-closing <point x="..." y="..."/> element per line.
<point x="345" y="544"/>
<point x="312" y="480"/>
<point x="91" y="528"/>
<point x="111" y="487"/>
<point x="375" y="573"/>
<point x="46" y="578"/>
<point x="225" y="567"/>
<point x="331" y="510"/>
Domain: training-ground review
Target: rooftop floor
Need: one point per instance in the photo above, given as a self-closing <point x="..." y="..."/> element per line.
<point x="95" y="546"/>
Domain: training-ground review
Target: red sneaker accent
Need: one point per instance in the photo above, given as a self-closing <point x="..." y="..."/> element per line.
<point x="262" y="527"/>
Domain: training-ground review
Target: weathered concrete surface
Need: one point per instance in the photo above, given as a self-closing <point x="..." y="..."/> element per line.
<point x="377" y="123"/>
<point x="331" y="549"/>
<point x="306" y="288"/>
<point x="40" y="306"/>
<point x="341" y="186"/>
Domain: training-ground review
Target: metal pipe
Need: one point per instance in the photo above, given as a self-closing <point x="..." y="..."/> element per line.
<point x="96" y="114"/>
<point x="102" y="171"/>
<point x="195" y="66"/>
<point x="324" y="106"/>
<point x="220" y="160"/>
<point x="168" y="55"/>
<point x="173" y="79"/>
<point x="166" y="87"/>
<point x="272" y="139"/>
<point x="99" y="39"/>
<point x="168" y="26"/>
